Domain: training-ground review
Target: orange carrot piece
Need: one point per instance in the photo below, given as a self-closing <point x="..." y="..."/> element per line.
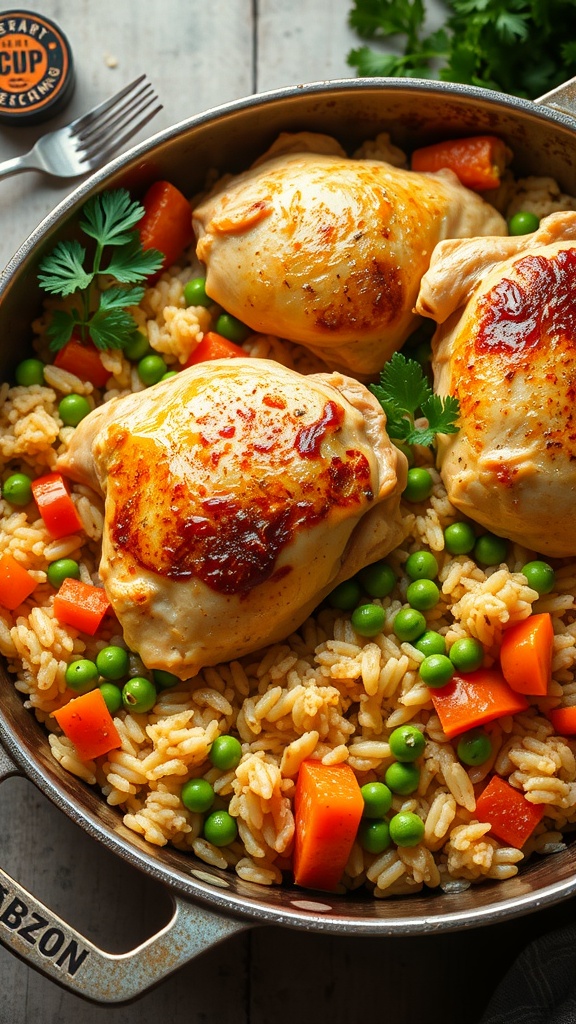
<point x="55" y="505"/>
<point x="473" y="699"/>
<point x="81" y="605"/>
<point x="214" y="346"/>
<point x="16" y="583"/>
<point x="526" y="654"/>
<point x="478" y="161"/>
<point x="86" y="721"/>
<point x="511" y="816"/>
<point x="563" y="720"/>
<point x="83" y="360"/>
<point x="167" y="221"/>
<point x="328" y="807"/>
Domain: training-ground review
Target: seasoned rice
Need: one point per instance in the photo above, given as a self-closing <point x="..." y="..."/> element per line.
<point x="325" y="692"/>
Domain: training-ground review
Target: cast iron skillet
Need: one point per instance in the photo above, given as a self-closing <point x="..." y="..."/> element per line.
<point x="209" y="904"/>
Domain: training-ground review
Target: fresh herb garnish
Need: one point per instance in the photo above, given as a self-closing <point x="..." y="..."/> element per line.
<point x="403" y="393"/>
<point x="521" y="47"/>
<point x="100" y="313"/>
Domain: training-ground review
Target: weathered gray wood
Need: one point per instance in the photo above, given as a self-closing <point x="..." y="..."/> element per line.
<point x="197" y="56"/>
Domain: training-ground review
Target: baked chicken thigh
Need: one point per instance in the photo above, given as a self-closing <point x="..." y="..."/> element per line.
<point x="328" y="251"/>
<point x="238" y="494"/>
<point x="506" y="348"/>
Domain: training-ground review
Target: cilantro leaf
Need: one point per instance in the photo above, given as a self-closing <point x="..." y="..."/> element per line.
<point x="403" y="383"/>
<point x="131" y="262"/>
<point x="111" y="216"/>
<point x="62" y="272"/>
<point x="109" y="220"/>
<point x="111" y="327"/>
<point x="387" y="17"/>
<point x="60" y="329"/>
<point x="370" y="64"/>
<point x="403" y="392"/>
<point x="119" y="298"/>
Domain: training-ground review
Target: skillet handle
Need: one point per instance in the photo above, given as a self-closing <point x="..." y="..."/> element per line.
<point x="563" y="98"/>
<point x="44" y="941"/>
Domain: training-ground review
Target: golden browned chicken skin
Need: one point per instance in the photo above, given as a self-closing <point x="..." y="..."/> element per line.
<point x="237" y="495"/>
<point x="506" y="348"/>
<point x="328" y="251"/>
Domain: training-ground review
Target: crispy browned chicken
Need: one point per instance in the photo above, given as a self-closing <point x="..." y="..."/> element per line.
<point x="506" y="347"/>
<point x="238" y="494"/>
<point x="328" y="251"/>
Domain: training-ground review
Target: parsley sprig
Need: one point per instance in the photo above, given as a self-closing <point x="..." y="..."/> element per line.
<point x="521" y="47"/>
<point x="100" y="313"/>
<point x="403" y="393"/>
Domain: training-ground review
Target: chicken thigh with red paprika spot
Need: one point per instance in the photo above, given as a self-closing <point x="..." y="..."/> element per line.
<point x="238" y="494"/>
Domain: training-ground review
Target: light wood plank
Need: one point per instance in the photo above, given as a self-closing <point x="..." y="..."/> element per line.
<point x="303" y="42"/>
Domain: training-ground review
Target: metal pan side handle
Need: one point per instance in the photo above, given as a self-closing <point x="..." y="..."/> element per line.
<point x="44" y="941"/>
<point x="563" y="98"/>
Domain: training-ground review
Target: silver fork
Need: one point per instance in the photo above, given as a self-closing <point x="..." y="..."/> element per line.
<point x="88" y="142"/>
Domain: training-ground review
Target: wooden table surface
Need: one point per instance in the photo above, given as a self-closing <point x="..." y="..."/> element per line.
<point x="198" y="54"/>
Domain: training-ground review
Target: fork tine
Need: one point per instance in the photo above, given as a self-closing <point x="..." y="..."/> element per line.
<point x="102" y="155"/>
<point x="86" y="119"/>
<point x="102" y="125"/>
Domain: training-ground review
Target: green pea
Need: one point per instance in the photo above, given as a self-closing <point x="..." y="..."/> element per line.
<point x="474" y="747"/>
<point x="220" y="828"/>
<point x="409" y="625"/>
<point x="368" y="619"/>
<point x="402" y="777"/>
<point x="423" y="595"/>
<point x="195" y="292"/>
<point x="406" y="829"/>
<point x="225" y="752"/>
<point x="164" y="680"/>
<point x="490" y="549"/>
<point x="540" y="576"/>
<point x="419" y="485"/>
<point x="345" y="596"/>
<point x="377" y="799"/>
<point x="151" y="369"/>
<point x="139" y="695"/>
<point x="436" y="670"/>
<point x="169" y="374"/>
<point x="62" y="569"/>
<point x="467" y="654"/>
<point x="374" y="836"/>
<point x="523" y="223"/>
<point x="72" y="409"/>
<point x="81" y="675"/>
<point x="430" y="642"/>
<point x="197" y="795"/>
<point x="137" y="347"/>
<point x="29" y="372"/>
<point x="407" y="743"/>
<point x="459" y="538"/>
<point x="231" y="328"/>
<point x="421" y="565"/>
<point x="378" y="579"/>
<point x="17" y="489"/>
<point x="113" y="662"/>
<point x="112" y="696"/>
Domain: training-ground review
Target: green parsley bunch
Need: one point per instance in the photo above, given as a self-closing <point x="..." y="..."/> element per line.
<point x="100" y="313"/>
<point x="520" y="47"/>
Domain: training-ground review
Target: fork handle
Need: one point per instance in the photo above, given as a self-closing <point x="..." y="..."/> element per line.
<point x="26" y="162"/>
